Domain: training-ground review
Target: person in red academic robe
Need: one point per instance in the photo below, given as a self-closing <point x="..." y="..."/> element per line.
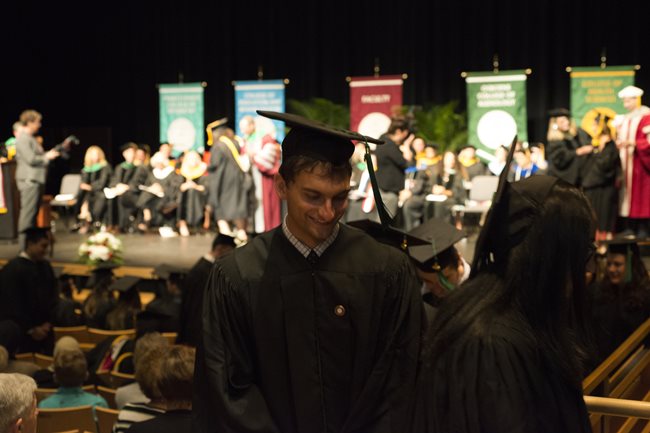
<point x="634" y="147"/>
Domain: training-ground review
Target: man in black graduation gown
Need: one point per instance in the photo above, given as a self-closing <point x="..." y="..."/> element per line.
<point x="28" y="293"/>
<point x="193" y="285"/>
<point x="313" y="326"/>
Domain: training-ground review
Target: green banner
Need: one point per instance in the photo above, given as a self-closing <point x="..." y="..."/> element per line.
<point x="181" y="117"/>
<point x="596" y="89"/>
<point x="496" y="110"/>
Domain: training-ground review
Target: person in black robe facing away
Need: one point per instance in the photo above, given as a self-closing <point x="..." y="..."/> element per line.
<point x="506" y="348"/>
<point x="193" y="286"/>
<point x="229" y="183"/>
<point x="601" y="171"/>
<point x="568" y="147"/>
<point x="621" y="301"/>
<point x="120" y="204"/>
<point x="91" y="202"/>
<point x="28" y="294"/>
<point x="312" y="326"/>
<point x="128" y="304"/>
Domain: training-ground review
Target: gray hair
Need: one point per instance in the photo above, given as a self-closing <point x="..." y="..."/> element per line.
<point x="16" y="398"/>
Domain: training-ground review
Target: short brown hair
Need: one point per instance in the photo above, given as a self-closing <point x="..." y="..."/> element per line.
<point x="295" y="164"/>
<point x="70" y="368"/>
<point x="147" y="343"/>
<point x="28" y="116"/>
<point x="177" y="372"/>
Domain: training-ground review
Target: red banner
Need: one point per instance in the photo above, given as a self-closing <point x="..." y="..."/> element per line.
<point x="373" y="101"/>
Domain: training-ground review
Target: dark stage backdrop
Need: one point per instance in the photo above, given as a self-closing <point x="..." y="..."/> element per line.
<point x="97" y="65"/>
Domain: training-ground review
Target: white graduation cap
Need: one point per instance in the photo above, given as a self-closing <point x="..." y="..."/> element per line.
<point x="630" y="92"/>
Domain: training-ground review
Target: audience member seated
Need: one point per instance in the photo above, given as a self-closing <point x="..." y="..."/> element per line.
<point x="28" y="295"/>
<point x="193" y="193"/>
<point x="70" y="372"/>
<point x="524" y="166"/>
<point x="68" y="312"/>
<point x="148" y="376"/>
<point x="192" y="298"/>
<point x="100" y="301"/>
<point x="621" y="301"/>
<point x="44" y="377"/>
<point x="176" y="374"/>
<point x="8" y="365"/>
<point x="168" y="297"/>
<point x="18" y="403"/>
<point x="122" y="316"/>
<point x="132" y="393"/>
<point x="473" y="165"/>
<point x="91" y="202"/>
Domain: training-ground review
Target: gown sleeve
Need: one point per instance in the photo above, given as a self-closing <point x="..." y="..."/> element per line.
<point x="226" y="398"/>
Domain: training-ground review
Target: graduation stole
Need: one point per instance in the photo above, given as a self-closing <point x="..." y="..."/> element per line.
<point x="468" y="162"/>
<point x="95" y="167"/>
<point x="243" y="166"/>
<point x="192" y="173"/>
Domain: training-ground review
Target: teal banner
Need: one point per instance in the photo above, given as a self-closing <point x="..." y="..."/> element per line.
<point x="181" y="117"/>
<point x="496" y="110"/>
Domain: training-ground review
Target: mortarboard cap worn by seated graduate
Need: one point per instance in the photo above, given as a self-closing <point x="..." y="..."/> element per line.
<point x="125" y="284"/>
<point x="627" y="247"/>
<point x="440" y="236"/>
<point x="388" y="235"/>
<point x="559" y="112"/>
<point x="166" y="272"/>
<point x="222" y="239"/>
<point x="630" y="92"/>
<point x="101" y="271"/>
<point x="327" y="143"/>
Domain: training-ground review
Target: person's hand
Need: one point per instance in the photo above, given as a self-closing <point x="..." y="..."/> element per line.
<point x="407" y="153"/>
<point x="156" y="188"/>
<point x="404" y="195"/>
<point x="3" y="160"/>
<point x="52" y="154"/>
<point x="409" y="140"/>
<point x="39" y="333"/>
<point x="86" y="187"/>
<point x="438" y="189"/>
<point x="584" y="150"/>
<point x="187" y="185"/>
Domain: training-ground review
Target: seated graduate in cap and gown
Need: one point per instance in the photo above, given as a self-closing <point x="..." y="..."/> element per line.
<point x="28" y="293"/>
<point x="439" y="265"/>
<point x="193" y="192"/>
<point x="128" y="304"/>
<point x="100" y="302"/>
<point x="621" y="300"/>
<point x="504" y="353"/>
<point x="95" y="176"/>
<point x="314" y="325"/>
<point x="120" y="206"/>
<point x="158" y="200"/>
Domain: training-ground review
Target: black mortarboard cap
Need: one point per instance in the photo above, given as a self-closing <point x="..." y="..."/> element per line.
<point x="125" y="284"/>
<point x="154" y="320"/>
<point x="559" y="112"/>
<point x="466" y="146"/>
<point x="513" y="210"/>
<point x="212" y="126"/>
<point x="440" y="236"/>
<point x="316" y="139"/>
<point x="166" y="272"/>
<point x="388" y="235"/>
<point x="100" y="271"/>
<point x="627" y="247"/>
<point x="222" y="239"/>
<point x="324" y="142"/>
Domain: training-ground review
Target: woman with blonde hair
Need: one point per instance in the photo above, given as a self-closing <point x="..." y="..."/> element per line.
<point x="95" y="176"/>
<point x="568" y="146"/>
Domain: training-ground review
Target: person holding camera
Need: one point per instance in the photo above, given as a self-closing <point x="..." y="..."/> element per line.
<point x="31" y="169"/>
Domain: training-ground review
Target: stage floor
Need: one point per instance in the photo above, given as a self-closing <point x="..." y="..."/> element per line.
<point x="150" y="250"/>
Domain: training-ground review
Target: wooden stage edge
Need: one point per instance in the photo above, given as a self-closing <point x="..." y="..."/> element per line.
<point x="82" y="270"/>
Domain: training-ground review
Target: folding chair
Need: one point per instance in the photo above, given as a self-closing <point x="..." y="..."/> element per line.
<point x="480" y="197"/>
<point x="96" y="336"/>
<point x="106" y="419"/>
<point x="58" y="420"/>
<point x="67" y="196"/>
<point x="108" y="394"/>
<point x="79" y="333"/>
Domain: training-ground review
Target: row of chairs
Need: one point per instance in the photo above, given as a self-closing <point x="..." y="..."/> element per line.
<point x="76" y="419"/>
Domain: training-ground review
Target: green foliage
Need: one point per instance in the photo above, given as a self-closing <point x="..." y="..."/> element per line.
<point x="323" y="110"/>
<point x="441" y="124"/>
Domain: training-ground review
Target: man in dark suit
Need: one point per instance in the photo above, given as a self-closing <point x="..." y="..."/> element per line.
<point x="31" y="169"/>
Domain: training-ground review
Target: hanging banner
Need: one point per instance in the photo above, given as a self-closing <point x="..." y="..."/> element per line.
<point x="181" y="117"/>
<point x="594" y="88"/>
<point x="373" y="101"/>
<point x="496" y="110"/>
<point x="260" y="95"/>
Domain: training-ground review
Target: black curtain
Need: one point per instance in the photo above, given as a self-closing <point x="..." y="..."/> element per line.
<point x="97" y="65"/>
